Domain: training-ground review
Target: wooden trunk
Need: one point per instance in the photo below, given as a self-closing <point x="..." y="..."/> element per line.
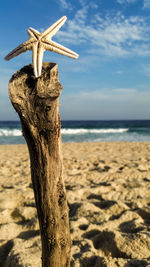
<point x="37" y="103"/>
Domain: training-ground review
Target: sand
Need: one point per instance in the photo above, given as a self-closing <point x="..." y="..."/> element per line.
<point x="108" y="192"/>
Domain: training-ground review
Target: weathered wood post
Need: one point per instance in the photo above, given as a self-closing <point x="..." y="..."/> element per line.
<point x="36" y="100"/>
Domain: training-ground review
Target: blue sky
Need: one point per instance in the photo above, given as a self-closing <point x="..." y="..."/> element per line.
<point x="111" y="78"/>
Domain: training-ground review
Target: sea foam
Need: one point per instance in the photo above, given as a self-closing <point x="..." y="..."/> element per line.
<point x="92" y="131"/>
<point x="13" y="132"/>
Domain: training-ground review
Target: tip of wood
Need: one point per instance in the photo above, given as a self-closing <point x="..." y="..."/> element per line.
<point x="27" y="70"/>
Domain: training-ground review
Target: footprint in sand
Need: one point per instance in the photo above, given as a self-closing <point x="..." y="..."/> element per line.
<point x="73" y="209"/>
<point x="130" y="227"/>
<point x="95" y="261"/>
<point x="103" y="204"/>
<point x="4" y="251"/>
<point x="105" y="241"/>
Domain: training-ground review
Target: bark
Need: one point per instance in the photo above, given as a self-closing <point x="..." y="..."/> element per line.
<point x="36" y="102"/>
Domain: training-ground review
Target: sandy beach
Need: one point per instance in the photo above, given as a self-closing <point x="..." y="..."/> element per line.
<point x="108" y="193"/>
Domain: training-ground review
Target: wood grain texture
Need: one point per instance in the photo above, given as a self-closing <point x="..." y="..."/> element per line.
<point x="36" y="102"/>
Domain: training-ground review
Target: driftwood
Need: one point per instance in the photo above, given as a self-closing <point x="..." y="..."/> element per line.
<point x="36" y="101"/>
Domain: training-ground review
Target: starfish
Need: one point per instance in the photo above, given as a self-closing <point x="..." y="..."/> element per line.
<point x="39" y="42"/>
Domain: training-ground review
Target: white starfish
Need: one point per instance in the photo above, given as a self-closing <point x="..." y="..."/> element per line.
<point x="39" y="42"/>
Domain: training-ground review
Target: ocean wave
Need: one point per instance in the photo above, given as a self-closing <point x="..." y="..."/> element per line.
<point x="69" y="131"/>
<point x="8" y="132"/>
<point x="92" y="131"/>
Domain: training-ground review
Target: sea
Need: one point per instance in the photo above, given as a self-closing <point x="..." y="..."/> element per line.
<point x="85" y="131"/>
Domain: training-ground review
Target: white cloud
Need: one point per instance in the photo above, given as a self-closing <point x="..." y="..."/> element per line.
<point x="119" y="72"/>
<point x="65" y="4"/>
<point x="126" y="103"/>
<point x="126" y="1"/>
<point x="125" y="90"/>
<point x="110" y="35"/>
<point x="146" y="69"/>
<point x="146" y="3"/>
<point x="82" y="3"/>
<point x="94" y="5"/>
<point x="109" y="94"/>
<point x="85" y="3"/>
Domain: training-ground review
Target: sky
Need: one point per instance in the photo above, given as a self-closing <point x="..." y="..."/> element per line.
<point x="111" y="78"/>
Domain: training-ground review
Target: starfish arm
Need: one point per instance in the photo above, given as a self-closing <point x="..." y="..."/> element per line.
<point x="40" y="53"/>
<point x="34" y="58"/>
<point x="33" y="33"/>
<point x="51" y="31"/>
<point x="19" y="49"/>
<point x="55" y="47"/>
